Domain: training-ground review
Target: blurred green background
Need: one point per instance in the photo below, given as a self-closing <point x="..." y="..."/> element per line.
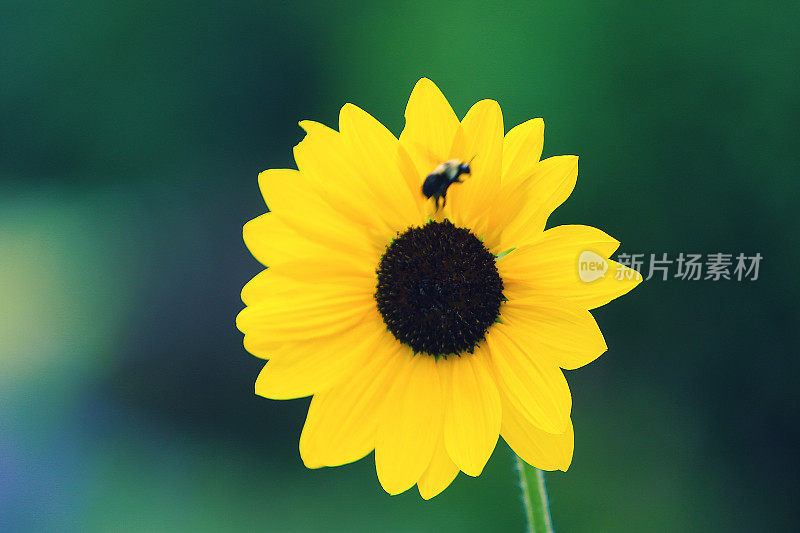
<point x="131" y="135"/>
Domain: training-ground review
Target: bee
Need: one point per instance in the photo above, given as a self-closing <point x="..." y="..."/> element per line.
<point x="446" y="174"/>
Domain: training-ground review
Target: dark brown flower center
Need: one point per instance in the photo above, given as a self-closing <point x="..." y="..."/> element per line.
<point x="438" y="289"/>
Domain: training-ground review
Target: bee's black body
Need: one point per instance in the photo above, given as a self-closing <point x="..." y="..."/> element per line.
<point x="436" y="183"/>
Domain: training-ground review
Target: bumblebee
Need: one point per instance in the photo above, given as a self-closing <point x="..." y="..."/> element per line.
<point x="436" y="183"/>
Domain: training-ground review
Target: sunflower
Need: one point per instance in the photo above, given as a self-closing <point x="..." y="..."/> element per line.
<point x="424" y="332"/>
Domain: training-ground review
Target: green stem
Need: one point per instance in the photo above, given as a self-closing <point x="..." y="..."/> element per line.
<point x="534" y="497"/>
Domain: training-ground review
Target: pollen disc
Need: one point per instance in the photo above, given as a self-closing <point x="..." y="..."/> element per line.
<point x="438" y="289"/>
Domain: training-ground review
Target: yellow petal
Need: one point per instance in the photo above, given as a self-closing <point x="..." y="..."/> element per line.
<point x="390" y="172"/>
<point x="551" y="182"/>
<point x="303" y="368"/>
<point x="286" y="190"/>
<point x="567" y="336"/>
<point x="272" y="239"/>
<point x="260" y="345"/>
<point x="303" y="203"/>
<point x="331" y="270"/>
<point x="439" y="474"/>
<point x="281" y="280"/>
<point x="430" y="128"/>
<point x="332" y="233"/>
<point x="537" y="388"/>
<point x="261" y="287"/>
<point x="411" y="424"/>
<point x="545" y="451"/>
<point x="549" y="266"/>
<point x="472" y="415"/>
<point x="522" y="149"/>
<point x="342" y="423"/>
<point x="472" y="201"/>
<point x="310" y="311"/>
<point x="264" y="285"/>
<point x="329" y="161"/>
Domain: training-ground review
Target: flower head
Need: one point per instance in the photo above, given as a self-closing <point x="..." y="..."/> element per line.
<point x="425" y="325"/>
